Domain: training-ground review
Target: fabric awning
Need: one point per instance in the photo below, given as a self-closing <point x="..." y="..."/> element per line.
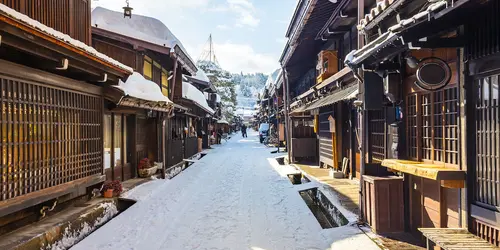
<point x="343" y="94"/>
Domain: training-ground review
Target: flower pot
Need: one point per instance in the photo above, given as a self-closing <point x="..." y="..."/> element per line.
<point x="146" y="172"/>
<point x="108" y="193"/>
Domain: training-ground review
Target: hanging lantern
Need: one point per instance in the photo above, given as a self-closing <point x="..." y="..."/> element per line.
<point x="127" y="10"/>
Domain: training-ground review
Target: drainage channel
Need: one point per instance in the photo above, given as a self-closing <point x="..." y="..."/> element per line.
<point x="79" y="222"/>
<point x="325" y="212"/>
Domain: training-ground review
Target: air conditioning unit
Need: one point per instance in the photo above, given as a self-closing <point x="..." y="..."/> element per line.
<point x="328" y="65"/>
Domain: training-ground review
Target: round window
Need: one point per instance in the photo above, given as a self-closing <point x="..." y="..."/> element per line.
<point x="433" y="74"/>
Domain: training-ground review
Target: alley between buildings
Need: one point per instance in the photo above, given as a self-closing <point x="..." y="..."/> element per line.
<point x="233" y="198"/>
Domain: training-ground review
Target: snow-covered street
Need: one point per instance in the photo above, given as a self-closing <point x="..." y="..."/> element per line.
<point x="233" y="198"/>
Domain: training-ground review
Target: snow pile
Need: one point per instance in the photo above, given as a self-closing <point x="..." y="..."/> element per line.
<point x="61" y="36"/>
<point x="71" y="237"/>
<point x="144" y="191"/>
<point x="143" y="28"/>
<point x="201" y="76"/>
<point x="139" y="87"/>
<point x="192" y="93"/>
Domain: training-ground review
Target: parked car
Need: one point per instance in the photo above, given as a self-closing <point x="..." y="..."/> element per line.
<point x="263" y="131"/>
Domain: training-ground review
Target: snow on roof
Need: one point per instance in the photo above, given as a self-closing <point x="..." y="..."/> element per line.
<point x="61" y="37"/>
<point x="222" y="121"/>
<point x="143" y="28"/>
<point x="139" y="87"/>
<point x="192" y="93"/>
<point x="200" y="75"/>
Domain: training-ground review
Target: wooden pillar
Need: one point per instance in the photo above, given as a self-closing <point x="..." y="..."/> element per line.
<point x="361" y="15"/>
<point x="174" y="78"/>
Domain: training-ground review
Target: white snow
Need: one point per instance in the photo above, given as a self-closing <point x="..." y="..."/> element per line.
<point x="201" y="76"/>
<point x="192" y="93"/>
<point x="61" y="36"/>
<point x="232" y="198"/>
<point x="139" y="87"/>
<point x="143" y="28"/>
<point x="70" y="238"/>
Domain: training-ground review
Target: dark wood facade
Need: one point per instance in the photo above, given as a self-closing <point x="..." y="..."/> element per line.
<point x="71" y="17"/>
<point x="52" y="101"/>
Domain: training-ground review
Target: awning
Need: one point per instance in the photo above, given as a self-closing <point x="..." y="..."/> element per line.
<point x="437" y="172"/>
<point x="139" y="92"/>
<point x="343" y="94"/>
<point x="393" y="34"/>
<point x="190" y="92"/>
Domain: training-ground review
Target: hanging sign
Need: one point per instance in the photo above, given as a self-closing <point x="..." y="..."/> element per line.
<point x="332" y="124"/>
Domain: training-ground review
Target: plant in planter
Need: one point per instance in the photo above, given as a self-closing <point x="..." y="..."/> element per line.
<point x="146" y="169"/>
<point x="111" y="189"/>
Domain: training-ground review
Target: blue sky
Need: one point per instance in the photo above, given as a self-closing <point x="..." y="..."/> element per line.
<point x="249" y="35"/>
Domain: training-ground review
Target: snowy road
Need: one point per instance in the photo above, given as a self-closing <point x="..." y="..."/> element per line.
<point x="233" y="198"/>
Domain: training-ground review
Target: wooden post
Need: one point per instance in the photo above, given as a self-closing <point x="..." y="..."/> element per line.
<point x="174" y="78"/>
<point x="288" y="129"/>
<point x="163" y="145"/>
<point x="361" y="8"/>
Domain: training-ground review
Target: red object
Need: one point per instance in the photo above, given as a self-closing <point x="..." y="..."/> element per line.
<point x="108" y="193"/>
<point x="144" y="163"/>
<point x="115" y="186"/>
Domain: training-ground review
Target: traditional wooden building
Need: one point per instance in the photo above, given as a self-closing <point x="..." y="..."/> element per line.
<point x="429" y="83"/>
<point x="148" y="46"/>
<point x="319" y="90"/>
<point x="52" y="98"/>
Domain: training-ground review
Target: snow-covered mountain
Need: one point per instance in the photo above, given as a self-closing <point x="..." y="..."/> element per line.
<point x="239" y="92"/>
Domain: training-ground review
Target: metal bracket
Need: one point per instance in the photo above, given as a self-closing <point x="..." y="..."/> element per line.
<point x="105" y="78"/>
<point x="64" y="63"/>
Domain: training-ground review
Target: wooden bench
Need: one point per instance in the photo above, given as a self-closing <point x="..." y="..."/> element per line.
<point x="454" y="239"/>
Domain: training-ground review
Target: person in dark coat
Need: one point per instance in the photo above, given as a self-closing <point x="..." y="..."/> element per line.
<point x="244" y="130"/>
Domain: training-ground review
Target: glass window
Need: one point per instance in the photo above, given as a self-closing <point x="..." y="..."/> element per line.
<point x="148" y="70"/>
<point x="107" y="141"/>
<point x="117" y="140"/>
<point x="164" y="82"/>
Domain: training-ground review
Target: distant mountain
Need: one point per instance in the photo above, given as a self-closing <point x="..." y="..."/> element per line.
<point x="239" y="92"/>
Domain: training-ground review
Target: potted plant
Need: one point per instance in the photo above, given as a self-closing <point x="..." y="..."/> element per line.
<point x="146" y="169"/>
<point x="111" y="189"/>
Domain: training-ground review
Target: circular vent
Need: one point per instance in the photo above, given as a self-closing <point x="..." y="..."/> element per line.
<point x="433" y="74"/>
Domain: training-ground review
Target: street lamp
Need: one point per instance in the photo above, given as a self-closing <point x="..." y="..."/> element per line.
<point x="127" y="10"/>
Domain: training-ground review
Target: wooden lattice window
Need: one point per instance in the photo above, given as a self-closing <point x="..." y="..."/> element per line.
<point x="377" y="134"/>
<point x="432" y="126"/>
<point x="411" y="116"/>
<point x="49" y="136"/>
<point x="487" y="172"/>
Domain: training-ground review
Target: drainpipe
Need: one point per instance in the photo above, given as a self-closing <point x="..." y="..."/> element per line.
<point x="361" y="43"/>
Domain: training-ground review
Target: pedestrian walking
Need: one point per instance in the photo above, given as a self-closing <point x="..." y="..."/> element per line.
<point x="244" y="131"/>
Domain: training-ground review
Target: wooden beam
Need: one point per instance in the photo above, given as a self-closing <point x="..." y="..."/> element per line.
<point x="22" y="30"/>
<point x="31" y="199"/>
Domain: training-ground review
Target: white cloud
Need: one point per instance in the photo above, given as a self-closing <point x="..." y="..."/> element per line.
<point x="242" y="57"/>
<point x="222" y="27"/>
<point x="244" y="11"/>
<point x="281" y="40"/>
